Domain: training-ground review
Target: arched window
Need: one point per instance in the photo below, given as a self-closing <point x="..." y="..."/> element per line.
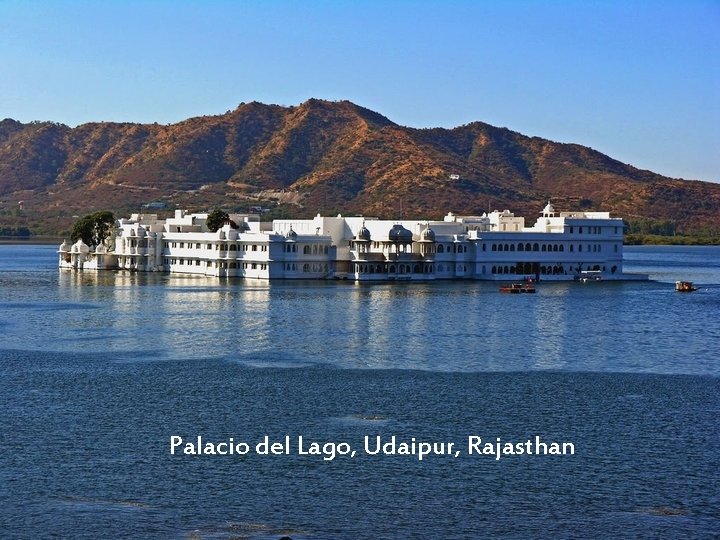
<point x="521" y="247"/>
<point x="536" y="247"/>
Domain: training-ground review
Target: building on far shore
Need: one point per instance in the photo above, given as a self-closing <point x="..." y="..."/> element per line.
<point x="494" y="246"/>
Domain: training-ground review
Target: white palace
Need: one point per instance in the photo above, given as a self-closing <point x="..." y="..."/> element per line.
<point x="494" y="246"/>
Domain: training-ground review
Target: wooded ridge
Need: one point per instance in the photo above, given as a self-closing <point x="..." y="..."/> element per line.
<point x="327" y="157"/>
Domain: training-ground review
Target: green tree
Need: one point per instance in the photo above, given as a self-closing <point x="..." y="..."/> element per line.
<point x="217" y="218"/>
<point x="93" y="229"/>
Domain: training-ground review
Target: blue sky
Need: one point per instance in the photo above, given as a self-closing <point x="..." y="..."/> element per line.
<point x="637" y="80"/>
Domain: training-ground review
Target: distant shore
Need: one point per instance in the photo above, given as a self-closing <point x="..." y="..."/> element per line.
<point x="630" y="240"/>
<point x="659" y="240"/>
<point x="31" y="240"/>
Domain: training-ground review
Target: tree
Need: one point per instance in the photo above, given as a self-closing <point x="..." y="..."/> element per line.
<point x="93" y="229"/>
<point x="217" y="218"/>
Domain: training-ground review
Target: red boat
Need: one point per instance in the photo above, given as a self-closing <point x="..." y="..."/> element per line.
<point x="518" y="288"/>
<point x="685" y="286"/>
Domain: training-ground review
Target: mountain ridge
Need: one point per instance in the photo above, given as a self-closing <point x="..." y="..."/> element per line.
<point x="322" y="156"/>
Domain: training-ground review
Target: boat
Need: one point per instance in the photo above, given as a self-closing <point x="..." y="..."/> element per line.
<point x="517" y="288"/>
<point x="589" y="275"/>
<point x="685" y="286"/>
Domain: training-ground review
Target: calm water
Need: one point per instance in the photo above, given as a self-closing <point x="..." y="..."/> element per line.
<point x="97" y="371"/>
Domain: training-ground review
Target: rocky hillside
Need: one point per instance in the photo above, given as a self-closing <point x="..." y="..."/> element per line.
<point x="325" y="157"/>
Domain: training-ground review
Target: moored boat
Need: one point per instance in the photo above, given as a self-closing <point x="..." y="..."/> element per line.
<point x="517" y="288"/>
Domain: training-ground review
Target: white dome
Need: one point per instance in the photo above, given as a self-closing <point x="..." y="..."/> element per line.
<point x="80" y="247"/>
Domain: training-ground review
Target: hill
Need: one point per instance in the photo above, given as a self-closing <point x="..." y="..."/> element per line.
<point x="324" y="157"/>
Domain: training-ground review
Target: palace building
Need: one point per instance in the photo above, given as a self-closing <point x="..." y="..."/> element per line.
<point x="494" y="246"/>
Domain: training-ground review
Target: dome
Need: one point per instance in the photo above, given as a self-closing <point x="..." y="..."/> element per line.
<point x="101" y="249"/>
<point x="428" y="234"/>
<point x="548" y="210"/>
<point x="243" y="226"/>
<point x="141" y="231"/>
<point x="363" y="234"/>
<point x="80" y="247"/>
<point x="399" y="234"/>
<point x="64" y="246"/>
<point x="291" y="235"/>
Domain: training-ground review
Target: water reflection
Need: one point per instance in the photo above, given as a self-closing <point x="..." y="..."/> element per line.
<point x="440" y="326"/>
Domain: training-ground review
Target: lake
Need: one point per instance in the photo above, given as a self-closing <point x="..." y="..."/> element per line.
<point x="99" y="371"/>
